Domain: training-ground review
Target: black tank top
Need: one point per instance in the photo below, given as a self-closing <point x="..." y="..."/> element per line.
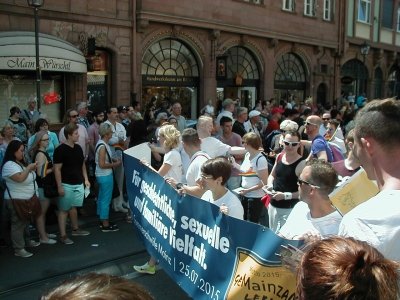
<point x="286" y="181"/>
<point x="39" y="180"/>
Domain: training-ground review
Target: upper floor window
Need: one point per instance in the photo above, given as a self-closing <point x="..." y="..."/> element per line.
<point x="364" y="11"/>
<point x="258" y="2"/>
<point x="387" y="14"/>
<point x="398" y="20"/>
<point x="288" y="5"/>
<point x="309" y="7"/>
<point x="328" y="10"/>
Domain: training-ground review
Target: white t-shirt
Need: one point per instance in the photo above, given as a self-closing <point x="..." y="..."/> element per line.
<point x="194" y="171"/>
<point x="173" y="158"/>
<point x="18" y="190"/>
<point x="99" y="171"/>
<point x="235" y="208"/>
<point x="376" y="221"/>
<point x="300" y="222"/>
<point x="259" y="162"/>
<point x="214" y="147"/>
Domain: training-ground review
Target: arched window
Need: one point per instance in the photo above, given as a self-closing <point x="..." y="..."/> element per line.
<point x="290" y="78"/>
<point x="357" y="71"/>
<point x="241" y="62"/>
<point x="290" y="68"/>
<point x="169" y="57"/>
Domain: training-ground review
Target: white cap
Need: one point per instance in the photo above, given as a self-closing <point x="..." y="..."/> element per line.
<point x="254" y="113"/>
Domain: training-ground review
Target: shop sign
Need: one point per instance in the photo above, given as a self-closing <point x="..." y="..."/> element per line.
<point x="46" y="64"/>
<point x="346" y="79"/>
<point x="169" y="79"/>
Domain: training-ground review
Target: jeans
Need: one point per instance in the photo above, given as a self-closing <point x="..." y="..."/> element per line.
<point x="104" y="197"/>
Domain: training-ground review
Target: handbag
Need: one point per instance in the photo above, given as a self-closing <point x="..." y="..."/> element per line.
<point x="26" y="209"/>
<point x="115" y="190"/>
<point x="49" y="185"/>
<point x="48" y="182"/>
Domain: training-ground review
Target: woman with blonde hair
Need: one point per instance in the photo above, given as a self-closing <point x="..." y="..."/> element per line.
<point x="169" y="138"/>
<point x="44" y="171"/>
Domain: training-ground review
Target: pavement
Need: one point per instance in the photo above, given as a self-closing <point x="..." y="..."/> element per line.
<point x="111" y="252"/>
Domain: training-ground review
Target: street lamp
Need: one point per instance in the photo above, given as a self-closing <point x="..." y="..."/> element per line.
<point x="36" y="4"/>
<point x="364" y="49"/>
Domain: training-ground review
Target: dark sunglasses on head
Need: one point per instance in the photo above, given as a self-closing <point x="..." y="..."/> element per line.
<point x="73" y="116"/>
<point x="309" y="123"/>
<point x="293" y="144"/>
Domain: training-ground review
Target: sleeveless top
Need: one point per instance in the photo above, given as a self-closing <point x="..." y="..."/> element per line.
<point x="286" y="181"/>
<point x="39" y="180"/>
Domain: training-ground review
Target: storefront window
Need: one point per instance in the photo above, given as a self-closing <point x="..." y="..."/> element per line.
<point x="16" y="89"/>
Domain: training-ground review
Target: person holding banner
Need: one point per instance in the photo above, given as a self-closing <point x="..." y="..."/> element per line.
<point x="169" y="138"/>
<point x="344" y="268"/>
<point x="191" y="144"/>
<point x="377" y="147"/>
<point x="315" y="215"/>
<point x="209" y="144"/>
<point x="215" y="173"/>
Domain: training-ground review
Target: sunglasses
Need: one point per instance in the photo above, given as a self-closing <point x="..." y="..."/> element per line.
<point x="204" y="176"/>
<point x="293" y="144"/>
<point x="325" y="119"/>
<point x="73" y="116"/>
<point x="301" y="182"/>
<point x="309" y="123"/>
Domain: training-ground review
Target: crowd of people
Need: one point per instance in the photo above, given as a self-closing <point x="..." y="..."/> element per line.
<point x="275" y="164"/>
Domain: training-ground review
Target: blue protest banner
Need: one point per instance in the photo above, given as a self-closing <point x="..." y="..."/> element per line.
<point x="210" y="255"/>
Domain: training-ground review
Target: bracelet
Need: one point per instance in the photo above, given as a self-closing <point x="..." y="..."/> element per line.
<point x="287" y="195"/>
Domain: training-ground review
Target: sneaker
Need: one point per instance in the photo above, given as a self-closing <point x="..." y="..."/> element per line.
<point x="49" y="241"/>
<point x="66" y="241"/>
<point x="32" y="243"/>
<point x="146" y="269"/>
<point x="79" y="232"/>
<point x="109" y="228"/>
<point x="52" y="236"/>
<point x="22" y="253"/>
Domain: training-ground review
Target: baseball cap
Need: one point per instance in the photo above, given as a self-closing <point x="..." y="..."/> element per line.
<point x="277" y="110"/>
<point x="254" y="113"/>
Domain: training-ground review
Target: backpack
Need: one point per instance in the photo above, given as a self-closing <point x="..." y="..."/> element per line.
<point x="267" y="141"/>
<point x="336" y="152"/>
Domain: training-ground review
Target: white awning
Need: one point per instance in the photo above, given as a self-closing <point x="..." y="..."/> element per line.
<point x="17" y="52"/>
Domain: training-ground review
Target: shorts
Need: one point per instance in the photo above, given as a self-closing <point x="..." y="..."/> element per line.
<point x="73" y="196"/>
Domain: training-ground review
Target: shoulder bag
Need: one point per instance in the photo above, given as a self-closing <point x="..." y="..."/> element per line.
<point x="26" y="209"/>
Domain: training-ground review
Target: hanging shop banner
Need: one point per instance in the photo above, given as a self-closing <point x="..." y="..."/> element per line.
<point x="210" y="255"/>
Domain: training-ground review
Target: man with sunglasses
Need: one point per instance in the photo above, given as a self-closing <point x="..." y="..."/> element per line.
<point x="314" y="215"/>
<point x="71" y="117"/>
<point x="377" y="147"/>
<point x="319" y="147"/>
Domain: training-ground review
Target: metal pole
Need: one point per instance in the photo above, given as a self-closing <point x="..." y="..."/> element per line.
<point x="38" y="74"/>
